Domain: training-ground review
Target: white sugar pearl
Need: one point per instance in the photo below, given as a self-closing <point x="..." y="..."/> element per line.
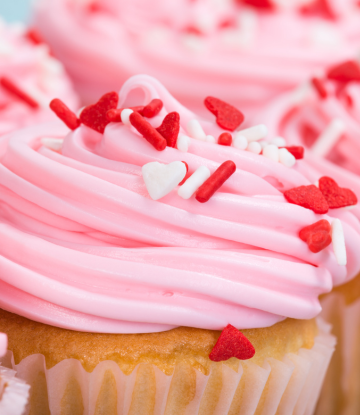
<point x="255" y="133"/>
<point x="53" y="143"/>
<point x="278" y="141"/>
<point x="254" y="147"/>
<point x="286" y="158"/>
<point x="210" y="139"/>
<point x="271" y="152"/>
<point x="183" y="142"/>
<point x="194" y="182"/>
<point x="240" y="142"/>
<point x="125" y="116"/>
<point x="195" y="130"/>
<point x="338" y="241"/>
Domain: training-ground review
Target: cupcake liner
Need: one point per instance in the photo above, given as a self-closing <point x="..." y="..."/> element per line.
<point x="340" y="395"/>
<point x="290" y="386"/>
<point x="14" y="393"/>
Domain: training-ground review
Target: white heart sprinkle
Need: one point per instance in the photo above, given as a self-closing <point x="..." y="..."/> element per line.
<point x="160" y="179"/>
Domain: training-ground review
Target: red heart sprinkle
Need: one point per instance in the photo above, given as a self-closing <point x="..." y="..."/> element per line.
<point x="225" y="139"/>
<point x="147" y="131"/>
<point x="296" y="151"/>
<point x="232" y="343"/>
<point x="308" y="197"/>
<point x="170" y="128"/>
<point x="336" y="196"/>
<point x="259" y="4"/>
<point x="65" y="114"/>
<point x="345" y="72"/>
<point x="318" y="8"/>
<point x="187" y="171"/>
<point x="317" y="235"/>
<point x="319" y="86"/>
<point x="227" y="116"/>
<point x="152" y="109"/>
<point x="94" y="116"/>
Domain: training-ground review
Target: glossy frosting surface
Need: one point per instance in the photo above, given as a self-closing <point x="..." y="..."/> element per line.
<point x="196" y="48"/>
<point x="84" y="247"/>
<point x="32" y="69"/>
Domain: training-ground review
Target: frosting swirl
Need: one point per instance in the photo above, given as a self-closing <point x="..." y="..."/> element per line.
<point x="86" y="248"/>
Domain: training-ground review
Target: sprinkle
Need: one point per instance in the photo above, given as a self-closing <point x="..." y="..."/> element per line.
<point x="215" y="181"/>
<point x="7" y="84"/>
<point x="318" y="8"/>
<point x="317" y="235"/>
<point x="94" y="116"/>
<point x="278" y="142"/>
<point x="271" y="152"/>
<point x="338" y="241"/>
<point x="227" y="116"/>
<point x="345" y="72"/>
<point x="225" y="139"/>
<point x="308" y="197"/>
<point x="319" y="86"/>
<point x="260" y="4"/>
<point x="232" y="343"/>
<point x="286" y="158"/>
<point x="125" y="116"/>
<point x="240" y="142"/>
<point x="328" y="138"/>
<point x="65" y="114"/>
<point x="254" y="147"/>
<point x="210" y="139"/>
<point x="195" y="130"/>
<point x="53" y="143"/>
<point x="263" y="143"/>
<point x="170" y="128"/>
<point x="296" y="151"/>
<point x="114" y="115"/>
<point x="337" y="197"/>
<point x="255" y="133"/>
<point x="183" y="142"/>
<point x="152" y="109"/>
<point x="34" y="36"/>
<point x="197" y="179"/>
<point x="160" y="179"/>
<point x="185" y="178"/>
<point x="148" y="131"/>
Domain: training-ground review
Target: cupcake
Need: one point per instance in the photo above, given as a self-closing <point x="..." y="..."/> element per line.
<point x="29" y="78"/>
<point x="156" y="262"/>
<point x="14" y="392"/>
<point x="323" y="116"/>
<point x="244" y="51"/>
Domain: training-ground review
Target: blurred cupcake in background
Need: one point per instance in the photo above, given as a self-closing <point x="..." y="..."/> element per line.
<point x="29" y="78"/>
<point x="14" y="392"/>
<point x="323" y="116"/>
<point x="243" y="51"/>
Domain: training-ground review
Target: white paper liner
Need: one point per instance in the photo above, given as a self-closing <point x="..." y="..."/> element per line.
<point x="290" y="386"/>
<point x="14" y="393"/>
<point x="340" y="395"/>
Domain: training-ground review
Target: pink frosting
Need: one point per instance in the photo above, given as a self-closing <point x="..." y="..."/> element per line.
<point x="31" y="68"/>
<point x="246" y="64"/>
<point x="85" y="247"/>
<point x="292" y="116"/>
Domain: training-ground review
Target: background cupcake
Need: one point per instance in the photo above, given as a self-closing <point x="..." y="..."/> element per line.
<point x="323" y="116"/>
<point x="111" y="250"/>
<point x="244" y="52"/>
<point x="29" y="78"/>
